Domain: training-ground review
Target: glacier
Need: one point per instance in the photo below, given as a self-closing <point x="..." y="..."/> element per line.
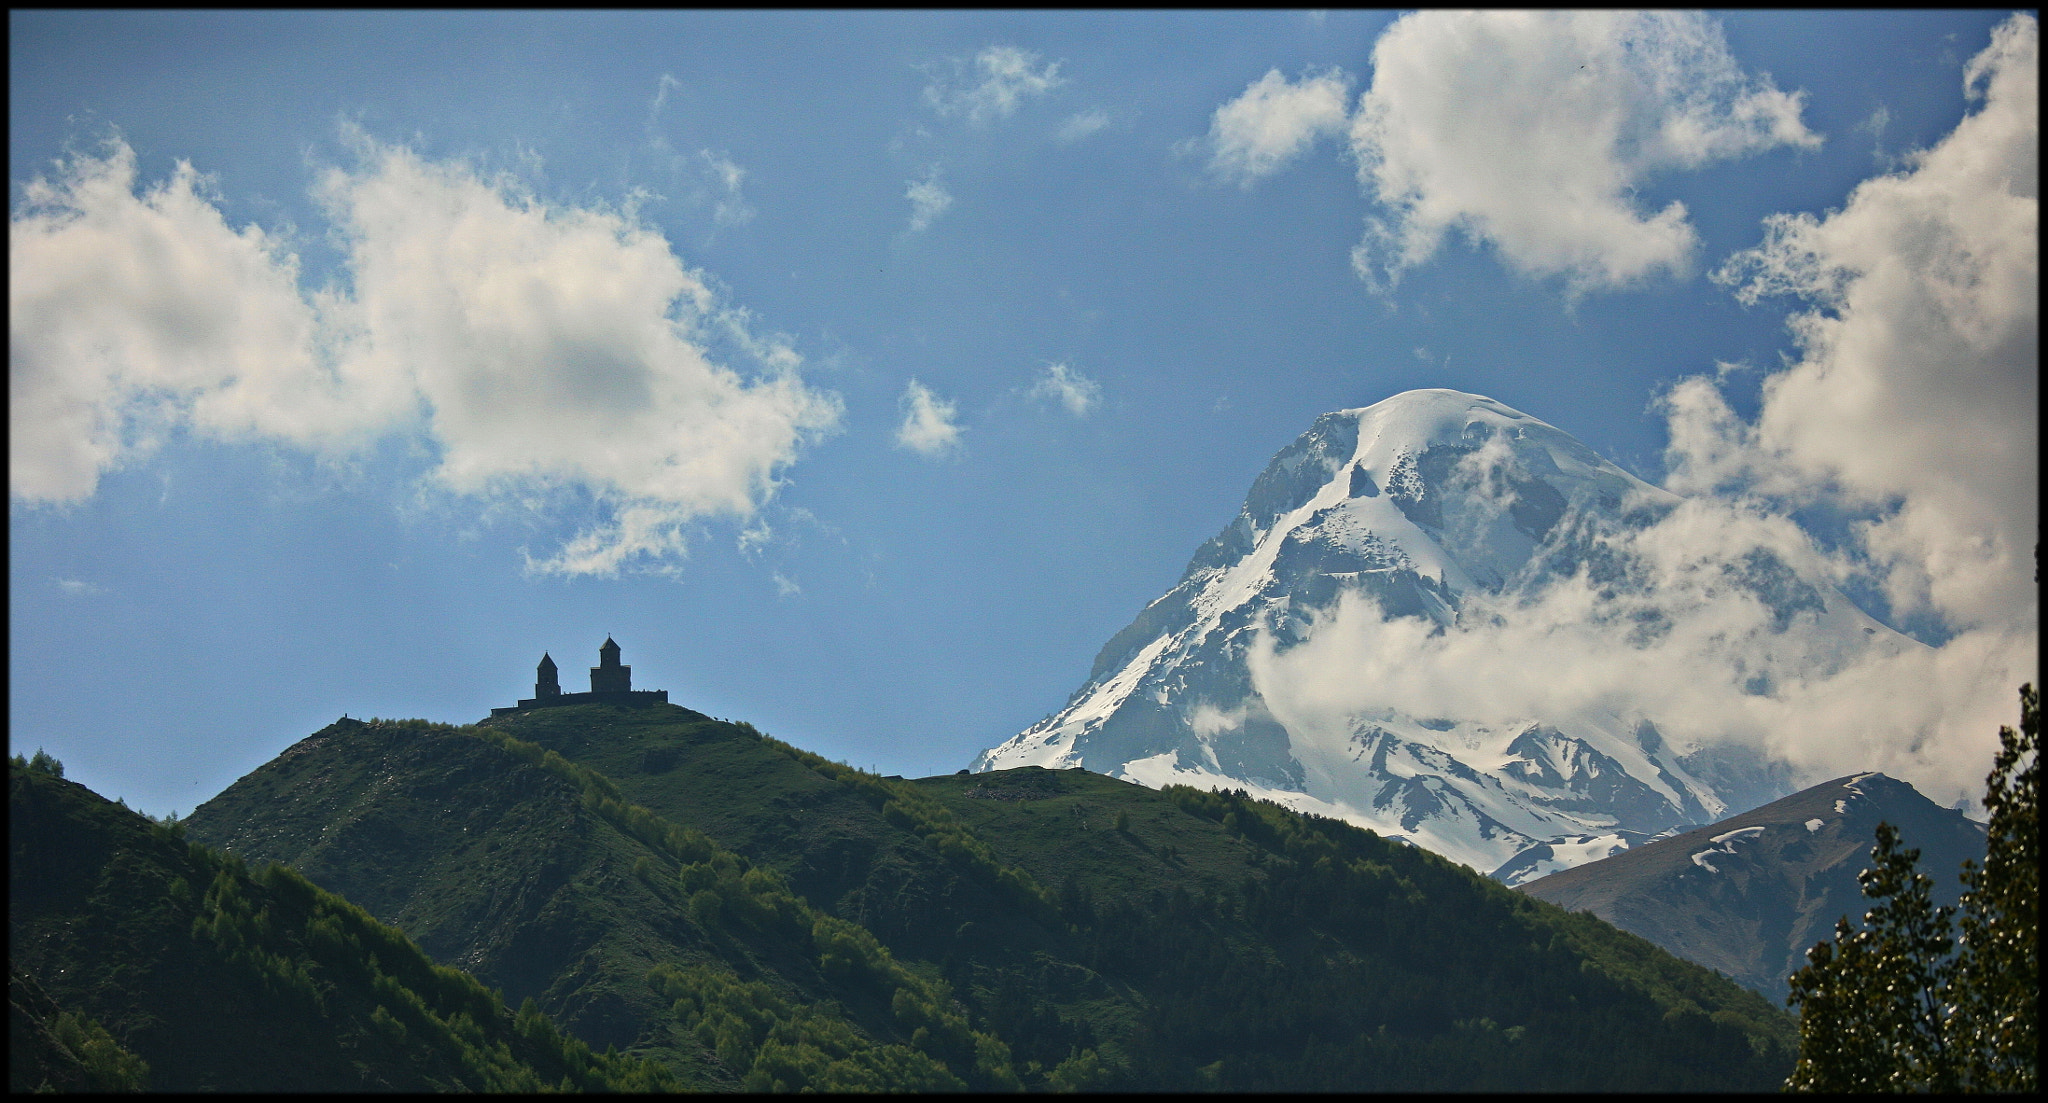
<point x="1438" y="510"/>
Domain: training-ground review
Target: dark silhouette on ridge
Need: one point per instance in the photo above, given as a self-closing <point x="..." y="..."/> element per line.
<point x="610" y="684"/>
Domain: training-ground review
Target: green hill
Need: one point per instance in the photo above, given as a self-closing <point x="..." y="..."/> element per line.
<point x="532" y="872"/>
<point x="139" y="960"/>
<point x="756" y="916"/>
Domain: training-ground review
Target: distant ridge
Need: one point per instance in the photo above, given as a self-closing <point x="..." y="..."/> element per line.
<point x="1748" y="896"/>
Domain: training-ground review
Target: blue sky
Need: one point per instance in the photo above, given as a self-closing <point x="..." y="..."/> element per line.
<point x="862" y="374"/>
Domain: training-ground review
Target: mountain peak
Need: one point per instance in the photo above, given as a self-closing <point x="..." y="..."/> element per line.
<point x="1435" y="509"/>
<point x="1439" y="406"/>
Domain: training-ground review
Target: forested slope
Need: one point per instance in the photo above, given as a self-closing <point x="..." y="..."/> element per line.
<point x="696" y="891"/>
<point x="141" y="959"/>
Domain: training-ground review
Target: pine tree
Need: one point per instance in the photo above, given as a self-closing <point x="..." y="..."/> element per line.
<point x="46" y="763"/>
<point x="1900" y="1005"/>
<point x="1998" y="1012"/>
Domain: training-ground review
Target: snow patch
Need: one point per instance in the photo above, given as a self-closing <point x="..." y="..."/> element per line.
<point x="1569" y="853"/>
<point x="1813" y="824"/>
<point x="1725" y="845"/>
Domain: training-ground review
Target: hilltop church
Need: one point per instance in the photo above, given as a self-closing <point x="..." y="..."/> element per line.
<point x="610" y="684"/>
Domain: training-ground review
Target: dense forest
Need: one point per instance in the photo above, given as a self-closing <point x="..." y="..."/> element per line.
<point x="754" y="916"/>
<point x="139" y="960"/>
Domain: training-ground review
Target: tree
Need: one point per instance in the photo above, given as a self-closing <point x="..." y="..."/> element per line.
<point x="46" y="763"/>
<point x="1998" y="1013"/>
<point x="1900" y="1005"/>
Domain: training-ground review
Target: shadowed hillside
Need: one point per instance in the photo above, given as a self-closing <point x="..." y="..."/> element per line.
<point x="1749" y="895"/>
<point x="138" y="959"/>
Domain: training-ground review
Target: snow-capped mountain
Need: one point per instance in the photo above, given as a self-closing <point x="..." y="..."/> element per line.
<point x="1438" y="511"/>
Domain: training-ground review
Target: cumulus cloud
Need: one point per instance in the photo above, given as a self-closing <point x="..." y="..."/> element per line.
<point x="539" y="348"/>
<point x="928" y="427"/>
<point x="1918" y="385"/>
<point x="1531" y="130"/>
<point x="130" y="314"/>
<point x="928" y="200"/>
<point x="1274" y="121"/>
<point x="992" y="85"/>
<point x="1914" y="399"/>
<point x="1069" y="388"/>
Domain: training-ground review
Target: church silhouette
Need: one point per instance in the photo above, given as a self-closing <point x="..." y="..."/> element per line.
<point x="610" y="684"/>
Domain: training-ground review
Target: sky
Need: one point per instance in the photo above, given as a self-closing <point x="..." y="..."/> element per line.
<point x="862" y="374"/>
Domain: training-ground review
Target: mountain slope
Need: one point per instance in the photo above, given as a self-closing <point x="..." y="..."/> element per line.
<point x="219" y="979"/>
<point x="1749" y="895"/>
<point x="53" y="1050"/>
<point x="1434" y="510"/>
<point x="1087" y="931"/>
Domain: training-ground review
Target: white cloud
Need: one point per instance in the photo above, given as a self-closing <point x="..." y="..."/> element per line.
<point x="1875" y="126"/>
<point x="1274" y="121"/>
<point x="131" y="314"/>
<point x="1917" y="391"/>
<point x="1078" y="393"/>
<point x="1711" y="669"/>
<point x="559" y="346"/>
<point x="1914" y="401"/>
<point x="661" y="90"/>
<point x="1082" y="124"/>
<point x="1531" y="130"/>
<point x="928" y="427"/>
<point x="713" y="176"/>
<point x="71" y="587"/>
<point x="928" y="200"/>
<point x="729" y="207"/>
<point x="754" y="537"/>
<point x="992" y="85"/>
<point x="539" y="348"/>
<point x="657" y="142"/>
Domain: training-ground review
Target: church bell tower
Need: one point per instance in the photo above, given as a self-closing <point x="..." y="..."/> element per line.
<point x="608" y="676"/>
<point x="547" y="684"/>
